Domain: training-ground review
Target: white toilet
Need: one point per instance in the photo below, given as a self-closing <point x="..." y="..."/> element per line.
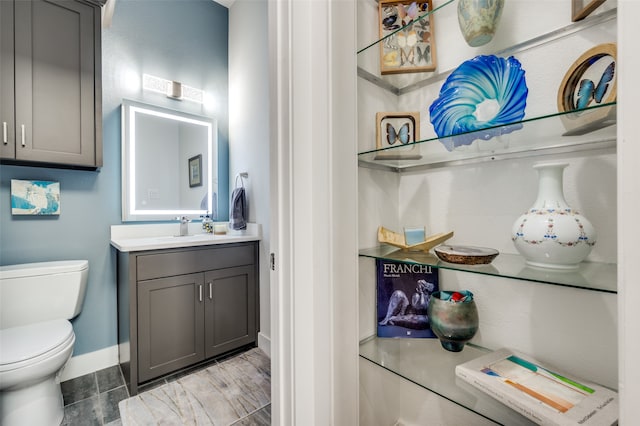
<point x="36" y="338"/>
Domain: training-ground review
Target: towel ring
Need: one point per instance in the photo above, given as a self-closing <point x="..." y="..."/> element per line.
<point x="241" y="176"/>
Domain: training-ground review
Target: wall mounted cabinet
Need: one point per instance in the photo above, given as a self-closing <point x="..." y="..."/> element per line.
<point x="51" y="110"/>
<point x="178" y="307"/>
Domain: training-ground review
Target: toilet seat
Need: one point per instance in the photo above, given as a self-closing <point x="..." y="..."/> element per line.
<point x="26" y="345"/>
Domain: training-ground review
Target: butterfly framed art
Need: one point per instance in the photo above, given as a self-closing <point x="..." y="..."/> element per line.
<point x="580" y="9"/>
<point x="396" y="133"/>
<point x="406" y="30"/>
<point x="590" y="82"/>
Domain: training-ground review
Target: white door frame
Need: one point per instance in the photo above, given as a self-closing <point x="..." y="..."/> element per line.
<point x="314" y="291"/>
<point x="628" y="147"/>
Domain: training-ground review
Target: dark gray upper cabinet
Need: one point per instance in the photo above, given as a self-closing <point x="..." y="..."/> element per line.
<point x="51" y="83"/>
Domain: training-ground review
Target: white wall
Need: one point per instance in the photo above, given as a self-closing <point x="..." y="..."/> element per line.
<point x="249" y="128"/>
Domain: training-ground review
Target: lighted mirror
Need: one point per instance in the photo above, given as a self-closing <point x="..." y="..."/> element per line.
<point x="169" y="163"/>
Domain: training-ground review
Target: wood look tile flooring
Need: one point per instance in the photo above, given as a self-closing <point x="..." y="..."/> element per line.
<point x="232" y="391"/>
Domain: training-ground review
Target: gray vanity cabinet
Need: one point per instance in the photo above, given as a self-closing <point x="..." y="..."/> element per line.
<point x="51" y="110"/>
<point x="230" y="309"/>
<point x="179" y="307"/>
<point x="170" y="324"/>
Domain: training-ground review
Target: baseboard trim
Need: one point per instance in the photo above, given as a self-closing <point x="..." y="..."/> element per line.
<point x="88" y="363"/>
<point x="264" y="343"/>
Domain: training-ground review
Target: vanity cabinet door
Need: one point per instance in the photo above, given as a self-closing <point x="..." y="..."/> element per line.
<point x="230" y="309"/>
<point x="170" y="324"/>
<point x="7" y="115"/>
<point x="57" y="90"/>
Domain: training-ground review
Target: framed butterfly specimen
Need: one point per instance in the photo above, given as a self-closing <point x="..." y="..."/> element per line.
<point x="580" y="9"/>
<point x="396" y="133"/>
<point x="590" y="82"/>
<point x="406" y="30"/>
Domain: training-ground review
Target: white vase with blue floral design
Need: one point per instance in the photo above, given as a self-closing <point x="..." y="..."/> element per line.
<point x="551" y="234"/>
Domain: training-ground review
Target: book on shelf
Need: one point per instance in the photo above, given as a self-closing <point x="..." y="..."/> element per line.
<point x="540" y="392"/>
<point x="403" y="292"/>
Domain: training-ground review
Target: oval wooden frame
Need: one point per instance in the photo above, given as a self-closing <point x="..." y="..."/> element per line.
<point x="577" y="124"/>
<point x="578" y="69"/>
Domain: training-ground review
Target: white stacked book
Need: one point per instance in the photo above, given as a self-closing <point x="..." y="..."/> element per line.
<point x="540" y="393"/>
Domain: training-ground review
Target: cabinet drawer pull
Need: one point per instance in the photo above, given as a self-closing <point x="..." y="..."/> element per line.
<point x="4" y="132"/>
<point x="210" y="291"/>
<point x="200" y="292"/>
<point x="23" y="135"/>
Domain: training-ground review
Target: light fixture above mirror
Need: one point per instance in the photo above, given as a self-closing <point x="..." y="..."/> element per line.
<point x="173" y="89"/>
<point x="169" y="163"/>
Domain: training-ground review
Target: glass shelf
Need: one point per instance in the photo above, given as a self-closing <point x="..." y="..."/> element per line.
<point x="425" y="363"/>
<point x="592" y="128"/>
<point x="593" y="276"/>
<point x="368" y="56"/>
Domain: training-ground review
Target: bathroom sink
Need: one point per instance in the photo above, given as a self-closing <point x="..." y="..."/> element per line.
<point x="152" y="237"/>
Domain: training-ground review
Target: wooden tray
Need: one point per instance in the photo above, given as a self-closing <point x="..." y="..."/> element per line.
<point x="397" y="240"/>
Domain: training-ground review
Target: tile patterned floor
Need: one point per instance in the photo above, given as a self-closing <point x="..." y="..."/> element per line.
<point x="93" y="399"/>
<point x="235" y="391"/>
<point x="241" y="384"/>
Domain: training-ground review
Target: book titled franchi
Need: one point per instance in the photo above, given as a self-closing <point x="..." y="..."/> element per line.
<point x="403" y="293"/>
<point x="540" y="393"/>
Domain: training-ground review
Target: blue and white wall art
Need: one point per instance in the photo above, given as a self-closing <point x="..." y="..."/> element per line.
<point x="35" y="197"/>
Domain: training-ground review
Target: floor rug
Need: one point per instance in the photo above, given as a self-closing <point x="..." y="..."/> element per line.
<point x="236" y="391"/>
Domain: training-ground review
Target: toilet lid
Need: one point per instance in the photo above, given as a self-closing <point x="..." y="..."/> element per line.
<point x="26" y="342"/>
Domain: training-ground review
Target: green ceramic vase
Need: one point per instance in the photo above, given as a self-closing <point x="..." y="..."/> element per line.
<point x="455" y="323"/>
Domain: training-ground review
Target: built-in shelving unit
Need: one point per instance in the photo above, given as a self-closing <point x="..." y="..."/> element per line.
<point x="423" y="361"/>
<point x="400" y="84"/>
<point x="594" y="276"/>
<point x="536" y="136"/>
<point x="411" y="359"/>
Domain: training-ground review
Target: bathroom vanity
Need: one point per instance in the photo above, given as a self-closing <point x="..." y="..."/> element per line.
<point x="183" y="300"/>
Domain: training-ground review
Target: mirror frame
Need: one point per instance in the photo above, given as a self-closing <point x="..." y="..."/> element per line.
<point x="129" y="211"/>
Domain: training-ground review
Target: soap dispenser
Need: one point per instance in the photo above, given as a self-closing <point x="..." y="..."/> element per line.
<point x="207" y="224"/>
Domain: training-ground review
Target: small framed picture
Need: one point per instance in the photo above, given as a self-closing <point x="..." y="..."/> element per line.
<point x="35" y="197"/>
<point x="591" y="81"/>
<point x="195" y="171"/>
<point x="396" y="134"/>
<point x="580" y="9"/>
<point x="408" y="44"/>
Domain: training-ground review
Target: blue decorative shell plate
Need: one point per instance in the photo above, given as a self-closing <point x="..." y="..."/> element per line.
<point x="484" y="93"/>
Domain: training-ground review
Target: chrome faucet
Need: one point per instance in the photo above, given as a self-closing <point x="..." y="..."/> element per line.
<point x="184" y="225"/>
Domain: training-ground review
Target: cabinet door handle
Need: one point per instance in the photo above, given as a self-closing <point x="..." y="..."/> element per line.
<point x="4" y="132"/>
<point x="210" y="291"/>
<point x="200" y="292"/>
<point x="23" y="135"/>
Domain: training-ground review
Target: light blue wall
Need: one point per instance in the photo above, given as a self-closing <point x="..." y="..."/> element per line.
<point x="183" y="40"/>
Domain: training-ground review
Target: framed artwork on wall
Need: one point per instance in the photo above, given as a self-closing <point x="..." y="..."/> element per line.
<point x="397" y="129"/>
<point x="35" y="197"/>
<point x="590" y="82"/>
<point x="407" y="30"/>
<point x="195" y="171"/>
<point x="580" y="9"/>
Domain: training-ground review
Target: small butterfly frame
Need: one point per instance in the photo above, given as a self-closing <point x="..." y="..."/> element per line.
<point x="407" y="34"/>
<point x="396" y="133"/>
<point x="591" y="81"/>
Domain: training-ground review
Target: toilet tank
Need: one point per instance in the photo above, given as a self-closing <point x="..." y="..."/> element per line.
<point x="44" y="291"/>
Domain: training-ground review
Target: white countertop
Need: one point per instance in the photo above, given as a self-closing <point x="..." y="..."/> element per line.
<point x="128" y="238"/>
